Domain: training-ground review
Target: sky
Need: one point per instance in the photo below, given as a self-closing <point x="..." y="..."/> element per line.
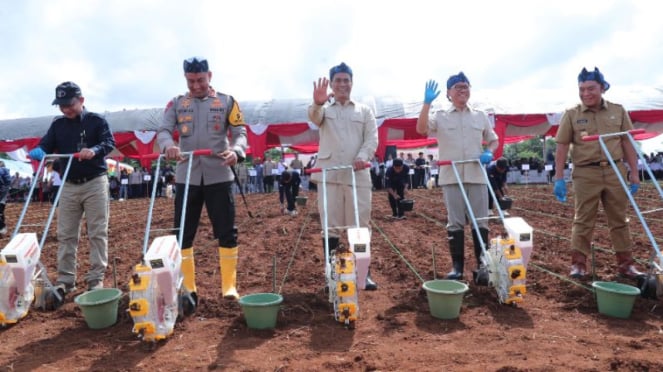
<point x="127" y="54"/>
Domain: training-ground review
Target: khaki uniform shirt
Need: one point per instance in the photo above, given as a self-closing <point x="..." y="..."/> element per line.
<point x="214" y="122"/>
<point x="579" y="121"/>
<point x="267" y="168"/>
<point x="347" y="132"/>
<point x="459" y="136"/>
<point x="296" y="164"/>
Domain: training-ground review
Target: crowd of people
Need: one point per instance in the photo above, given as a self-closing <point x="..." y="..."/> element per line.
<point x="204" y="118"/>
<point x="127" y="185"/>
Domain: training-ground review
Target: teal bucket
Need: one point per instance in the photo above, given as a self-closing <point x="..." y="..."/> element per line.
<point x="445" y="297"/>
<point x="99" y="307"/>
<point x="615" y="299"/>
<point x="261" y="309"/>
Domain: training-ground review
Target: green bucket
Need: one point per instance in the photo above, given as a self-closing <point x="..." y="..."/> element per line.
<point x="445" y="297"/>
<point x="261" y="309"/>
<point x="615" y="299"/>
<point x="301" y="200"/>
<point x="99" y="307"/>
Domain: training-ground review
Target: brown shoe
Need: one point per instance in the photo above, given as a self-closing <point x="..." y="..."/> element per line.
<point x="578" y="271"/>
<point x="578" y="265"/>
<point x="626" y="266"/>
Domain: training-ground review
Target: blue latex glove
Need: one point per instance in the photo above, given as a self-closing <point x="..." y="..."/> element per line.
<point x="486" y="157"/>
<point x="431" y="92"/>
<point x="634" y="188"/>
<point x="37" y="154"/>
<point x="560" y="190"/>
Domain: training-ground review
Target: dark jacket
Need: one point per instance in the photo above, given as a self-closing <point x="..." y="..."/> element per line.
<point x="69" y="136"/>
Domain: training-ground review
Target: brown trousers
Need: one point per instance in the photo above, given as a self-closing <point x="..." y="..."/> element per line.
<point x="591" y="185"/>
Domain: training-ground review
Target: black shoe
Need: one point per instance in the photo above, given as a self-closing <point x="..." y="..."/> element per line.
<point x="189" y="303"/>
<point x="55" y="297"/>
<point x="454" y="275"/>
<point x="370" y="284"/>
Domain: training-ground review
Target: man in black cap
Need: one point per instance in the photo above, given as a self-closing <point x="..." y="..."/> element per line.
<point x="396" y="178"/>
<point x="205" y="119"/>
<point x="85" y="192"/>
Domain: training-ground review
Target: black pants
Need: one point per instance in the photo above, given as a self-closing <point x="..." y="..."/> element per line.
<point x="490" y="198"/>
<point x="289" y="192"/>
<point x="396" y="209"/>
<point x="2" y="216"/>
<point x="268" y="183"/>
<point x="220" y="205"/>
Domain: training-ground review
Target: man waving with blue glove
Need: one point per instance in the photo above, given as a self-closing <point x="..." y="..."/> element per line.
<point x="594" y="179"/>
<point x="460" y="131"/>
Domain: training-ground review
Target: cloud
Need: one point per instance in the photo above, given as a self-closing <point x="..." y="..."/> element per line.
<point x="128" y="54"/>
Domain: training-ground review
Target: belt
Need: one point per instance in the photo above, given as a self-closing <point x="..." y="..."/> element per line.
<point x="604" y="163"/>
<point x="82" y="180"/>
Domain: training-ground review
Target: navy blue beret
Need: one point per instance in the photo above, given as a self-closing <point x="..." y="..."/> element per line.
<point x="595" y="75"/>
<point x="455" y="79"/>
<point x="340" y="68"/>
<point x="195" y="65"/>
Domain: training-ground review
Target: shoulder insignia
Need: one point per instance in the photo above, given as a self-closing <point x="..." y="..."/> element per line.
<point x="236" y="118"/>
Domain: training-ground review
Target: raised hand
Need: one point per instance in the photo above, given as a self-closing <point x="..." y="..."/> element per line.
<point x="431" y="92"/>
<point x="320" y="94"/>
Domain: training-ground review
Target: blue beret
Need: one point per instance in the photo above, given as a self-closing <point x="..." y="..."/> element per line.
<point x="455" y="79"/>
<point x="595" y="75"/>
<point x="340" y="68"/>
<point x="195" y="65"/>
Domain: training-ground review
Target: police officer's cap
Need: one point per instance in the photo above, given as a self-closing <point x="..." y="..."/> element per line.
<point x="195" y="65"/>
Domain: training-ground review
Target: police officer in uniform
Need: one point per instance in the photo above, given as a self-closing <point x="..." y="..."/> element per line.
<point x="205" y="119"/>
<point x="594" y="179"/>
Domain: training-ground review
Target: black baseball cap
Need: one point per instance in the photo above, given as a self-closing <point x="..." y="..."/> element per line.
<point x="65" y="93"/>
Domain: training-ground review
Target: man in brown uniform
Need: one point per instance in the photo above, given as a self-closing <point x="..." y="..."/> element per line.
<point x="593" y="178"/>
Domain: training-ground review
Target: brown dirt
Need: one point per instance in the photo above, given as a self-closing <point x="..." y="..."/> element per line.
<point x="556" y="327"/>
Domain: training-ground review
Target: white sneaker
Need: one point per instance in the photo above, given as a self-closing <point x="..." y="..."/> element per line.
<point x="3" y="231"/>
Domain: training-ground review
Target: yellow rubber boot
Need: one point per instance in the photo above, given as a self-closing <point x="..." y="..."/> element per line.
<point x="228" y="265"/>
<point x="188" y="270"/>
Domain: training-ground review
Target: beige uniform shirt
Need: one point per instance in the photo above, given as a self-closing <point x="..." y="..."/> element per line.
<point x="579" y="121"/>
<point x="347" y="132"/>
<point x="459" y="136"/>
